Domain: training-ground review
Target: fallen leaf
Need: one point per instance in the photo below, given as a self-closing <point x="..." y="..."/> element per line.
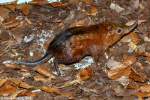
<point x="12" y="6"/>
<point x="129" y="60"/>
<point x="15" y="81"/>
<point x="145" y="88"/>
<point x="70" y="83"/>
<point x="25" y="85"/>
<point x="116" y="7"/>
<point x="25" y="8"/>
<point x="2" y="81"/>
<point x="44" y="71"/>
<point x="89" y="90"/>
<point x="11" y="23"/>
<point x="20" y="83"/>
<point x="131" y="22"/>
<point x="7" y="89"/>
<point x="56" y="91"/>
<point x="136" y="4"/>
<point x="135" y="38"/>
<point x="132" y="47"/>
<point x="27" y="93"/>
<point x="41" y="78"/>
<point x="57" y="4"/>
<point x="133" y="85"/>
<point x="13" y="66"/>
<point x="123" y="69"/>
<point x="92" y="11"/>
<point x="88" y="1"/>
<point x="123" y="80"/>
<point x="141" y="95"/>
<point x="50" y="89"/>
<point x="3" y="13"/>
<point x="84" y="74"/>
<point x="15" y="94"/>
<point x="82" y="22"/>
<point x="136" y="76"/>
<point x="143" y="91"/>
<point x="119" y="72"/>
<point x="39" y="2"/>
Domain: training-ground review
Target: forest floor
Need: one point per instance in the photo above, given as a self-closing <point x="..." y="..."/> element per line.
<point x="26" y="31"/>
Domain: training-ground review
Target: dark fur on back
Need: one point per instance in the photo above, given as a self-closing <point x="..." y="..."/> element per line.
<point x="65" y="35"/>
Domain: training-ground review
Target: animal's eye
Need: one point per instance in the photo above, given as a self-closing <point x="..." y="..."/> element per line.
<point x="119" y="30"/>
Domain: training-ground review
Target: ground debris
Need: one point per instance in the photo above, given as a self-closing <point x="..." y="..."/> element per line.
<point x="27" y="29"/>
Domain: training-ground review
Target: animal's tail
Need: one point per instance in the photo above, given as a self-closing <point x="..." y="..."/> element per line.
<point x="44" y="59"/>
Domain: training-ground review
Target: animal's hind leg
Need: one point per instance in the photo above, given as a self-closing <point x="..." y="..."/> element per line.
<point x="56" y="68"/>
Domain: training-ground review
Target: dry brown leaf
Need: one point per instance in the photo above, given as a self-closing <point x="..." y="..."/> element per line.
<point x="135" y="38"/>
<point x="20" y="83"/>
<point x="28" y="21"/>
<point x="15" y="94"/>
<point x="41" y="78"/>
<point x="51" y="89"/>
<point x="119" y="72"/>
<point x="25" y="9"/>
<point x="40" y="2"/>
<point x="145" y="88"/>
<point x="11" y="7"/>
<point x="73" y="2"/>
<point x="133" y="85"/>
<point x="88" y="1"/>
<point x="2" y="81"/>
<point x="122" y="70"/>
<point x="136" y="76"/>
<point x="11" y="23"/>
<point x="7" y="89"/>
<point x="82" y="22"/>
<point x="13" y="66"/>
<point x="25" y="85"/>
<point x="3" y="13"/>
<point x="27" y="93"/>
<point x="143" y="91"/>
<point x="141" y="95"/>
<point x="69" y="95"/>
<point x="56" y="91"/>
<point x="57" y="4"/>
<point x="129" y="60"/>
<point x="147" y="54"/>
<point x="70" y="83"/>
<point x="15" y="81"/>
<point x="84" y="74"/>
<point x="44" y="71"/>
<point x="116" y="7"/>
<point x="93" y="11"/>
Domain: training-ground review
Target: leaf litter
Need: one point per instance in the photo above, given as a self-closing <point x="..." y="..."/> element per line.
<point x="126" y="66"/>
